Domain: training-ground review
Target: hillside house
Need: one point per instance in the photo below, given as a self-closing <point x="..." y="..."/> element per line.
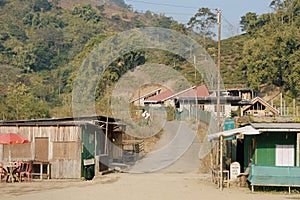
<point x="186" y="101"/>
<point x="259" y="108"/>
<point x="244" y="93"/>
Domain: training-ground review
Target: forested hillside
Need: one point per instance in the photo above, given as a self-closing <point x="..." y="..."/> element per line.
<point x="267" y="57"/>
<point x="43" y="43"/>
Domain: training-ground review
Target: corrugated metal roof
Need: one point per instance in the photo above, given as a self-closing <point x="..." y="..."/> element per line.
<point x="258" y="128"/>
<point x="160" y="97"/>
<point x="60" y="121"/>
<point x="147" y="95"/>
<point x="247" y="130"/>
<point x="271" y="126"/>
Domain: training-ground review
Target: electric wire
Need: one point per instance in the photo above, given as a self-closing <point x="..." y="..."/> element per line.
<point x="176" y="6"/>
<point x="227" y="22"/>
<point x="162" y="4"/>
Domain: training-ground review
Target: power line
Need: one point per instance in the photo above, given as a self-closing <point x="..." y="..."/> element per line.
<point x="172" y="13"/>
<point x="233" y="29"/>
<point x="162" y="4"/>
<point x="176" y="6"/>
<point x="230" y="25"/>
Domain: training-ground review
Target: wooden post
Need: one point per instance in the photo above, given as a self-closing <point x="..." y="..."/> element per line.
<point x="217" y="153"/>
<point x="48" y="171"/>
<point x="96" y="156"/>
<point x="221" y="162"/>
<point x="218" y="73"/>
<point x="280" y="104"/>
<point x="196" y="103"/>
<point x="294" y="107"/>
<point x="284" y="108"/>
<point x="41" y="171"/>
<point x="106" y="134"/>
<point x="298" y="150"/>
<point x="211" y="163"/>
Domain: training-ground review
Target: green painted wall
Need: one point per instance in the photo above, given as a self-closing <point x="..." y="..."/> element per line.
<point x="88" y="150"/>
<point x="247" y="144"/>
<point x="264" y="153"/>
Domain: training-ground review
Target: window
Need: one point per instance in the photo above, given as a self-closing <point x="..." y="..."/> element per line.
<point x="17" y="151"/>
<point x="65" y="150"/>
<point x="222" y="108"/>
<point x="285" y="155"/>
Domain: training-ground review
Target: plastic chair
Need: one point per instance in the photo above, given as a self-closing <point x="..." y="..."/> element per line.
<point x="26" y="171"/>
<point x="21" y="168"/>
<point x="3" y="172"/>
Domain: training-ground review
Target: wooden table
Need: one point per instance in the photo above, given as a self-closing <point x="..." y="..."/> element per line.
<point x="11" y="174"/>
<point x="41" y="171"/>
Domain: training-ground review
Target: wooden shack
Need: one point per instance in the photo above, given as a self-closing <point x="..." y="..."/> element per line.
<point x="268" y="152"/>
<point x="66" y="147"/>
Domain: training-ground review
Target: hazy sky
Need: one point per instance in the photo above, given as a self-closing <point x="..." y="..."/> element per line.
<point x="182" y="11"/>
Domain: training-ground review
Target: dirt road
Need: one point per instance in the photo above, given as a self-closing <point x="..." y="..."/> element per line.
<point x="133" y="186"/>
<point x="175" y="152"/>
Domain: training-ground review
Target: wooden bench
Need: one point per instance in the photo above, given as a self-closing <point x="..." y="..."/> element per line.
<point x="274" y="176"/>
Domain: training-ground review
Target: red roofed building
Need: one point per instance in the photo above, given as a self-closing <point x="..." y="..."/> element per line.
<point x="160" y="98"/>
<point x="200" y="91"/>
<point x="187" y="101"/>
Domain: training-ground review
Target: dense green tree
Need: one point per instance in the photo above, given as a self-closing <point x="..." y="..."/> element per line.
<point x="249" y="22"/>
<point x="41" y="5"/>
<point x="21" y="103"/>
<point x="271" y="56"/>
<point x="87" y="12"/>
<point x="203" y="22"/>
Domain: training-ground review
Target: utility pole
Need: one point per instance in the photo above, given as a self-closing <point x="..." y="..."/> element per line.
<point x="218" y="73"/>
<point x="196" y="103"/>
<point x="218" y="99"/>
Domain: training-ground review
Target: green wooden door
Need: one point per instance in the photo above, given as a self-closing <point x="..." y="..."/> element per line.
<point x="88" y="152"/>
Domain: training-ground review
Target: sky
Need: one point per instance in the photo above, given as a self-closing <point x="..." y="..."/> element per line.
<point x="183" y="10"/>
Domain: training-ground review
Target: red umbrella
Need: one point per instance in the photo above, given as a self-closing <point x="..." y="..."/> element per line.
<point x="12" y="138"/>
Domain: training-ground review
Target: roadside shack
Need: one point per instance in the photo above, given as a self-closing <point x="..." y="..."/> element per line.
<point x="268" y="152"/>
<point x="66" y="147"/>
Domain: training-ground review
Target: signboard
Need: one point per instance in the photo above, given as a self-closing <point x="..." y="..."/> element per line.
<point x="88" y="161"/>
<point x="228" y="124"/>
<point x="235" y="170"/>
